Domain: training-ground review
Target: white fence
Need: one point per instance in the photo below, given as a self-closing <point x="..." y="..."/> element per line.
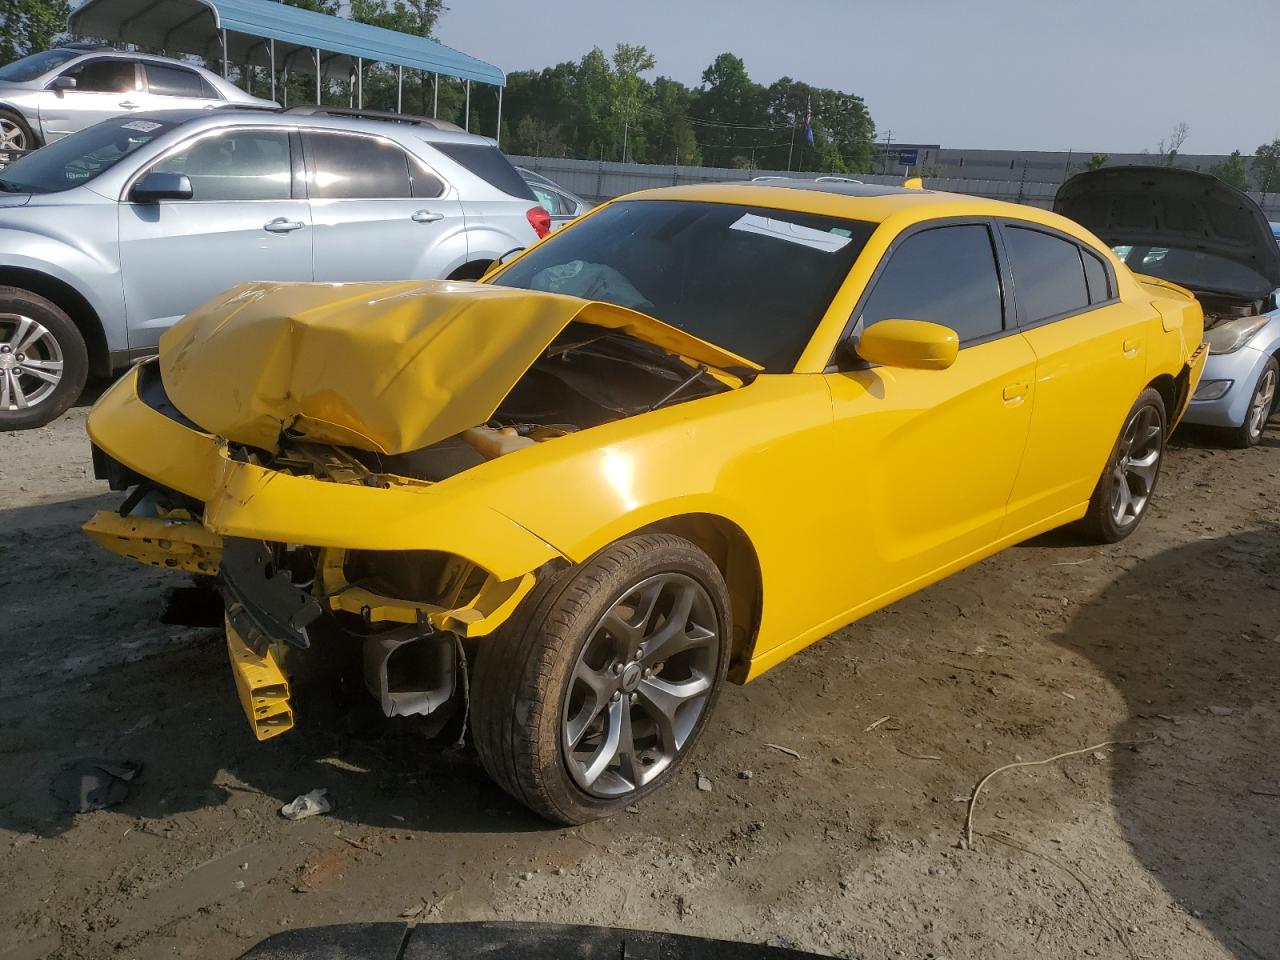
<point x="596" y="180"/>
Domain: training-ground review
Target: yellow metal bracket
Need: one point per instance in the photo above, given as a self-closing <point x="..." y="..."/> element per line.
<point x="262" y="686"/>
<point x="172" y="541"/>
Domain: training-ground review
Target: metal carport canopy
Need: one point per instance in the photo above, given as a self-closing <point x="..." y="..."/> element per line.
<point x="196" y="26"/>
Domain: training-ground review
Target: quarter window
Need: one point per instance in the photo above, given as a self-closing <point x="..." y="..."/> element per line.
<point x="104" y="76"/>
<point x="1048" y="276"/>
<point x="237" y="165"/>
<point x="356" y="168"/>
<point x="944" y="275"/>
<point x="1095" y="272"/>
<point x="165" y="81"/>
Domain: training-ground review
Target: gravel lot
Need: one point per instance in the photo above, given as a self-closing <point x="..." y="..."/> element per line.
<point x="1167" y="849"/>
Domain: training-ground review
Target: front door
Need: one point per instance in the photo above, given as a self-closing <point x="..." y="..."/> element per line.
<point x="379" y="213"/>
<point x="243" y="223"/>
<point x="105" y="87"/>
<point x="923" y="461"/>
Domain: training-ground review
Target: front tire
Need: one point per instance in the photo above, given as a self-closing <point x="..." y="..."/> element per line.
<point x="1123" y="493"/>
<point x="1261" y="405"/>
<point x="597" y="690"/>
<point x="43" y="360"/>
<point x="15" y="132"/>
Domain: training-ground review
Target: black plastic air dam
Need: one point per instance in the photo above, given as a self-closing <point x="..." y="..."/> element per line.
<point x="503" y="941"/>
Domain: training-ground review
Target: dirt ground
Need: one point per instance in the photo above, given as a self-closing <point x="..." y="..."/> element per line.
<point x="1167" y="849"/>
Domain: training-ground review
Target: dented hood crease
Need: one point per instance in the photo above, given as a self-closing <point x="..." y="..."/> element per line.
<point x="384" y="367"/>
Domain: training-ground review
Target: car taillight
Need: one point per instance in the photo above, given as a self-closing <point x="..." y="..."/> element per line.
<point x="540" y="220"/>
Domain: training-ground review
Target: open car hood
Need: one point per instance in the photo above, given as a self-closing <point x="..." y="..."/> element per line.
<point x="385" y="367"/>
<point x="1182" y="210"/>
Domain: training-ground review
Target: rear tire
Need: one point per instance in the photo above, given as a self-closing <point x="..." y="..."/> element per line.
<point x="1261" y="406"/>
<point x="43" y="360"/>
<point x="1122" y="496"/>
<point x="593" y="695"/>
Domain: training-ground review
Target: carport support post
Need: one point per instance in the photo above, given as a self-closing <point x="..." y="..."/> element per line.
<point x="317" y="75"/>
<point x="226" y="68"/>
<point x="498" y="136"/>
<point x="399" y="89"/>
<point x="435" y="86"/>
<point x="466" y="110"/>
<point x="272" y="46"/>
<point x="359" y="83"/>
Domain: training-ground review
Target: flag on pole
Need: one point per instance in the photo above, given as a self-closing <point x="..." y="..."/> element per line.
<point x="808" y="120"/>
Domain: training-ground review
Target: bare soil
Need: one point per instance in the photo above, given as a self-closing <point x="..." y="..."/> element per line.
<point x="1168" y="848"/>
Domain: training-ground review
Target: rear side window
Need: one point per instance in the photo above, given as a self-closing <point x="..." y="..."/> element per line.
<point x="237" y="165"/>
<point x="165" y="81"/>
<point x="489" y="164"/>
<point x="1095" y="272"/>
<point x="343" y="167"/>
<point x="945" y="275"/>
<point x="1048" y="275"/>
<point x="104" y="76"/>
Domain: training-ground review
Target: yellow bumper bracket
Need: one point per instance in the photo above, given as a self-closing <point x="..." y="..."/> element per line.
<point x="263" y="689"/>
<point x="174" y="541"/>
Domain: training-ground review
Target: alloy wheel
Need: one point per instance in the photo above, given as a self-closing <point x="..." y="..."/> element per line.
<point x="1137" y="466"/>
<point x="31" y="362"/>
<point x="1264" y="399"/>
<point x="12" y="136"/>
<point x="640" y="684"/>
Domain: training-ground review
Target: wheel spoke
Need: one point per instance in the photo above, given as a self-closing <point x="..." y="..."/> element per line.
<point x="662" y="700"/>
<point x="1145" y="469"/>
<point x="41" y="374"/>
<point x="601" y="687"/>
<point x="5" y="390"/>
<point x="609" y="744"/>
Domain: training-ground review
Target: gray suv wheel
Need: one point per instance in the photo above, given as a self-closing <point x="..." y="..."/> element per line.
<point x="43" y="360"/>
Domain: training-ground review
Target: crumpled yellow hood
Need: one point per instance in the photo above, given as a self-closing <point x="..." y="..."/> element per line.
<point x="386" y="367"/>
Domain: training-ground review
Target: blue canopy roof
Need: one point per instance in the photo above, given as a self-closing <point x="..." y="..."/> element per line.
<point x="194" y="26"/>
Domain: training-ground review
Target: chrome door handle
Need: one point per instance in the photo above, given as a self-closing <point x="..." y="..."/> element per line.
<point x="425" y="216"/>
<point x="128" y="105"/>
<point x="282" y="225"/>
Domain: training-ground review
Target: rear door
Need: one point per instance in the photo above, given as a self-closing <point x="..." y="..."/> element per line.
<point x="248" y="220"/>
<point x="105" y="87"/>
<point x="923" y="461"/>
<point x="379" y="213"/>
<point x="1091" y="363"/>
<point x="171" y="87"/>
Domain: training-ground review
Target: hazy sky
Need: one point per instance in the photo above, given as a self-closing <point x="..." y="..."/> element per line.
<point x="1089" y="75"/>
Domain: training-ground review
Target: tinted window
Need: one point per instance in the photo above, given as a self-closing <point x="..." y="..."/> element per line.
<point x="489" y="165"/>
<point x="166" y="81"/>
<point x="425" y="183"/>
<point x="77" y="159"/>
<point x="35" y="64"/>
<point x="945" y="275"/>
<point x="1095" y="272"/>
<point x="349" y="167"/>
<point x="238" y="165"/>
<point x="1048" y="276"/>
<point x="104" y="76"/>
<point x="546" y="199"/>
<point x="751" y="280"/>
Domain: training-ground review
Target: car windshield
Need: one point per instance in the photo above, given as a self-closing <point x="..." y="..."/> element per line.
<point x="1195" y="269"/>
<point x="77" y="159"/>
<point x="36" y="64"/>
<point x="752" y="280"/>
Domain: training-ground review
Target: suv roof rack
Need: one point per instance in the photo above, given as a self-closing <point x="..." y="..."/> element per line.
<point x="317" y="109"/>
<point x="86" y="45"/>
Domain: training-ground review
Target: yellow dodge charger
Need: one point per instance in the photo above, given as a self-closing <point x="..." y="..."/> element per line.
<point x="670" y="445"/>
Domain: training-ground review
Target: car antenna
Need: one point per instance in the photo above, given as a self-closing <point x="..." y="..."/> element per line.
<point x="702" y="368"/>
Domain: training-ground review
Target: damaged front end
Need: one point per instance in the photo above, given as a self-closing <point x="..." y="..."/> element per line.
<point x="351" y="496"/>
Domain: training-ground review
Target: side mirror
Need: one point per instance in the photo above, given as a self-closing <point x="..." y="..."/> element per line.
<point x="63" y="83"/>
<point x="154" y="187"/>
<point x="911" y="344"/>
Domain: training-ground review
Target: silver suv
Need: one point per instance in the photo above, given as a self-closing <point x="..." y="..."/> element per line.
<point x="110" y="235"/>
<point x="47" y="95"/>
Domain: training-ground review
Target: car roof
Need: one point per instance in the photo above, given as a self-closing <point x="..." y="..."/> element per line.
<point x="225" y="116"/>
<point x="871" y="203"/>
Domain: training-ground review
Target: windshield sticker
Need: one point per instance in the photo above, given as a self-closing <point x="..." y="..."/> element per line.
<point x="142" y="126"/>
<point x="827" y="242"/>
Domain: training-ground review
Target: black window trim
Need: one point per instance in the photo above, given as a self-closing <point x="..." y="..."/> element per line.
<point x="308" y="165"/>
<point x="1009" y="223"/>
<point x="1009" y="325"/>
<point x="187" y="142"/>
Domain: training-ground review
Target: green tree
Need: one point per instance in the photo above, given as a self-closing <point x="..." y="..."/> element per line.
<point x="731" y="114"/>
<point x="1169" y="147"/>
<point x="630" y="91"/>
<point x="668" y="134"/>
<point x="28" y="26"/>
<point x="1097" y="161"/>
<point x="1266" y="166"/>
<point x="1232" y="170"/>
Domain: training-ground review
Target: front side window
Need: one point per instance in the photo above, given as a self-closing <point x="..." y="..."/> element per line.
<point x="36" y="64"/>
<point x="77" y="159"/>
<point x="1048" y="275"/>
<point x="166" y="81"/>
<point x="104" y="76"/>
<point x="344" y="167"/>
<point x="235" y="165"/>
<point x="944" y="275"/>
<point x="752" y="280"/>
